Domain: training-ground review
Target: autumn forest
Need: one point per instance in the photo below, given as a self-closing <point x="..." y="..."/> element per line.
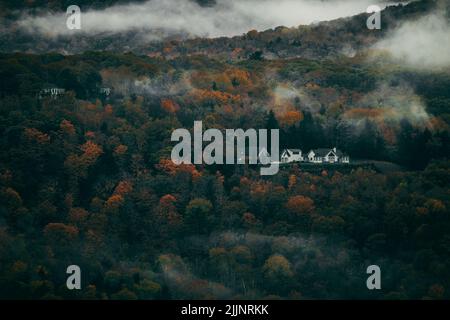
<point x="86" y="177"/>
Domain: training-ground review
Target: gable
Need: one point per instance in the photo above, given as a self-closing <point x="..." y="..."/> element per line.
<point x="331" y="153"/>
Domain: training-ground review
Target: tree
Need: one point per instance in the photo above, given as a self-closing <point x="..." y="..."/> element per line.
<point x="198" y="215"/>
<point x="413" y="148"/>
<point x="169" y="218"/>
<point x="169" y="106"/>
<point x="291" y="118"/>
<point x="257" y="55"/>
<point x="369" y="144"/>
<point x="278" y="273"/>
<point x="271" y="121"/>
<point x="61" y="236"/>
<point x="300" y="205"/>
<point x="124" y="294"/>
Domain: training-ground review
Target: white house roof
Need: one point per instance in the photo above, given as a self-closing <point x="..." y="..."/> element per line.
<point x="322" y="152"/>
<point x="292" y="151"/>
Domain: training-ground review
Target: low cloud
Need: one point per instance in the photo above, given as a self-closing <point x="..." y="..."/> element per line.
<point x="421" y="44"/>
<point x="126" y="83"/>
<point x="386" y="107"/>
<point x="226" y="18"/>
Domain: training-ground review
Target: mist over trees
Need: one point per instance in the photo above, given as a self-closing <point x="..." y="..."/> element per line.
<point x="87" y="179"/>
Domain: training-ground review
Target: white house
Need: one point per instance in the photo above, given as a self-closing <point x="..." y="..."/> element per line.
<point x="291" y="155"/>
<point x="52" y="92"/>
<point x="324" y="155"/>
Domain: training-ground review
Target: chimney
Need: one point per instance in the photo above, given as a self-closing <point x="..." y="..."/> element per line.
<point x="334" y="149"/>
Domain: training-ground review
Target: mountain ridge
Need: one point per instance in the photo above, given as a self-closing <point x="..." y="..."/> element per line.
<point x="325" y="39"/>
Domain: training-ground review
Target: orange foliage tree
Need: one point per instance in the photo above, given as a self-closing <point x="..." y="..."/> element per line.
<point x="169" y="105"/>
<point x="300" y="205"/>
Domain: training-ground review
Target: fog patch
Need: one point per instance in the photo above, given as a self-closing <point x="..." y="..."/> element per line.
<point x="421" y="44"/>
<point x="226" y="18"/>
